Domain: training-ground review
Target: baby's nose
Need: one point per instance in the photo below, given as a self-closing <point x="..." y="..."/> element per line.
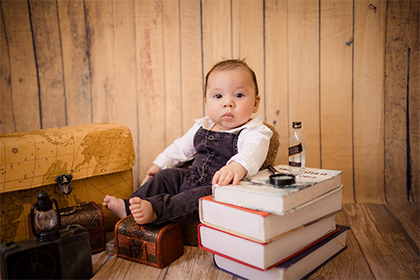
<point x="229" y="103"/>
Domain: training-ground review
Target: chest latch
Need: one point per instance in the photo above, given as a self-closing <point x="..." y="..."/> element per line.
<point x="64" y="183"/>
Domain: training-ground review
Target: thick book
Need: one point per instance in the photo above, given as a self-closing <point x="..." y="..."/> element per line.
<point x="263" y="226"/>
<point x="263" y="255"/>
<point x="256" y="192"/>
<point x="298" y="267"/>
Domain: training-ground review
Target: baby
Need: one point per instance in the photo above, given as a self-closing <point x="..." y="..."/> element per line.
<point x="225" y="146"/>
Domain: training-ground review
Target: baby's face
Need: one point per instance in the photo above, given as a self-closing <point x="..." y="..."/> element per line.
<point x="231" y="98"/>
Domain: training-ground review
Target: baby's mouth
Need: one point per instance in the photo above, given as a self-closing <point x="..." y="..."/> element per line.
<point x="228" y="116"/>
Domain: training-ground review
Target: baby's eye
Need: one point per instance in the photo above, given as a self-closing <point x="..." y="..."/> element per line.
<point x="239" y="95"/>
<point x="217" y="96"/>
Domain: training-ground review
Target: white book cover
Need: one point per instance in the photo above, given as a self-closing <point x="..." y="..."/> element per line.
<point x="263" y="226"/>
<point x="263" y="255"/>
<point x="257" y="193"/>
<point x="298" y="267"/>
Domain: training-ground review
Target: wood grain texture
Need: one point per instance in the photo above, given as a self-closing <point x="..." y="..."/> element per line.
<point x="172" y="70"/>
<point x="100" y="29"/>
<point x="149" y="40"/>
<point x="22" y="66"/>
<point x="368" y="100"/>
<point x="142" y="64"/>
<point x="351" y="264"/>
<point x="217" y="32"/>
<point x="44" y="21"/>
<point x="192" y="72"/>
<point x="304" y="102"/>
<point x="389" y="253"/>
<point x="74" y="44"/>
<point x="413" y="154"/>
<point x="7" y="118"/>
<point x="98" y="260"/>
<point x="336" y="109"/>
<point x="126" y="100"/>
<point x="194" y="265"/>
<point x="407" y="216"/>
<point x="396" y="121"/>
<point x="276" y="74"/>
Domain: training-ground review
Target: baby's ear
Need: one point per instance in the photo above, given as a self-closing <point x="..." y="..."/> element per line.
<point x="257" y="103"/>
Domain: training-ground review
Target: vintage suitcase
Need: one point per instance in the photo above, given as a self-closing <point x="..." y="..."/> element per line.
<point x="99" y="158"/>
<point x="88" y="215"/>
<point x="149" y="244"/>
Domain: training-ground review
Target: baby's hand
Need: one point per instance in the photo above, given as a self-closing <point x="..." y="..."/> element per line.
<point x="234" y="171"/>
<point x="150" y="173"/>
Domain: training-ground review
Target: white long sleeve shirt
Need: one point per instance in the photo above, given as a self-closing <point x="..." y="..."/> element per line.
<point x="253" y="144"/>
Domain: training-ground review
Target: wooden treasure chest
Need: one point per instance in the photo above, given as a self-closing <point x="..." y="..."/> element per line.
<point x="89" y="161"/>
<point x="149" y="244"/>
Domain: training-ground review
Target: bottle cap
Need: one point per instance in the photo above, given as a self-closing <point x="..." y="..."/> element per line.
<point x="297" y="124"/>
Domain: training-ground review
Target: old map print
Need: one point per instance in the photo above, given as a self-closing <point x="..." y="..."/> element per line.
<point x="98" y="156"/>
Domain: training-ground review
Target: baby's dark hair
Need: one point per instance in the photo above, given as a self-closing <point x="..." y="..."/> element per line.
<point x="230" y="64"/>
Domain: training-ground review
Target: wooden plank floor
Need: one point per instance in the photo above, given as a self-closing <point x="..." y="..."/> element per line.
<point x="383" y="243"/>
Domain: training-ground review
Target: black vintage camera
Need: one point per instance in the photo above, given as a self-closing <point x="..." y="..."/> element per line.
<point x="67" y="257"/>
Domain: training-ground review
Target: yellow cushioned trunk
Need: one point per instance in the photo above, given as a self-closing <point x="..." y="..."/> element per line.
<point x="100" y="158"/>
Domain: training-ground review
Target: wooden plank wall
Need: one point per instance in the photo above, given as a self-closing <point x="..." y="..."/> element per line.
<point x="349" y="70"/>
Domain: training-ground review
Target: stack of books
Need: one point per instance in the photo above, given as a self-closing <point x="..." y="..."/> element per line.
<point x="260" y="231"/>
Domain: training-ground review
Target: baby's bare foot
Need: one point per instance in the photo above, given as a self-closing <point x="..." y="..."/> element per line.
<point x="115" y="205"/>
<point x="142" y="211"/>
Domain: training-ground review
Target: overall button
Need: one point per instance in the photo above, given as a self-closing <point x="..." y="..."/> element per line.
<point x="207" y="167"/>
<point x="212" y="154"/>
<point x="211" y="137"/>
